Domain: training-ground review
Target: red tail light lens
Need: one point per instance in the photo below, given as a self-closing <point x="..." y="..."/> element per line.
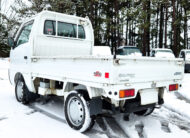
<point x="127" y="93"/>
<point x="107" y="75"/>
<point x="173" y="87"/>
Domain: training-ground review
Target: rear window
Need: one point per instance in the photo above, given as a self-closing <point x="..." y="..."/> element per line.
<point x="66" y="30"/>
<point x="70" y="30"/>
<point x="50" y="27"/>
<point x="128" y="51"/>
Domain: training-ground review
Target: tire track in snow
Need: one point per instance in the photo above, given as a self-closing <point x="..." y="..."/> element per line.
<point x="101" y="124"/>
<point x="139" y="128"/>
<point x="96" y="134"/>
<point x="91" y="133"/>
<point x="31" y="112"/>
<point x="173" y="118"/>
<point x="3" y="118"/>
<point x="181" y="97"/>
<point x="165" y="126"/>
<point x="105" y="127"/>
<point x="37" y="109"/>
<point x="115" y="127"/>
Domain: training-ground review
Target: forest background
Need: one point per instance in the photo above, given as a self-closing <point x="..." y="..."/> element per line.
<point x="143" y="23"/>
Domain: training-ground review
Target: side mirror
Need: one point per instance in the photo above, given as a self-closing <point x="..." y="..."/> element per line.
<point x="11" y="42"/>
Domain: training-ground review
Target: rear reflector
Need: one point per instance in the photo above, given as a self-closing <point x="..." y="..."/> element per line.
<point x="173" y="87"/>
<point x="126" y="93"/>
<point x="107" y="75"/>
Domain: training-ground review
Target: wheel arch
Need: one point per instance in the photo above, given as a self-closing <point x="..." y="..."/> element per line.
<point x="91" y="91"/>
<point x="27" y="79"/>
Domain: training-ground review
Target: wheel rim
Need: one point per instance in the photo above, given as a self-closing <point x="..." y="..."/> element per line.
<point x="20" y="91"/>
<point x="75" y="111"/>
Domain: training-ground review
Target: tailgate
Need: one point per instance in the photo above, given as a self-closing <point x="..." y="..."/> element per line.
<point x="146" y="69"/>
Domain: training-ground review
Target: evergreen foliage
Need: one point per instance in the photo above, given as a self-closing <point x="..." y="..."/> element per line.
<point x="144" y="23"/>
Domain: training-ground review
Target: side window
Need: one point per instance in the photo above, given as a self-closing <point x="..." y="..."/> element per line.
<point x="182" y="54"/>
<point x="50" y="27"/>
<point x="66" y="30"/>
<point x="24" y="34"/>
<point x="81" y="32"/>
<point x="153" y="53"/>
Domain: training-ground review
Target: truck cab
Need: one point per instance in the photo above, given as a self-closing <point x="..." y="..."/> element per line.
<point x="185" y="54"/>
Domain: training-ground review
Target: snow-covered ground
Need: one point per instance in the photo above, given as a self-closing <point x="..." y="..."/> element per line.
<point x="47" y="120"/>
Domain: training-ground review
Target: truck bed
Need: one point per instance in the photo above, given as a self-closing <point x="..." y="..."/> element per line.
<point x="127" y="70"/>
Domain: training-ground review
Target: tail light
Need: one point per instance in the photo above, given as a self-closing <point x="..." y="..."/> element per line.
<point x="173" y="87"/>
<point x="127" y="93"/>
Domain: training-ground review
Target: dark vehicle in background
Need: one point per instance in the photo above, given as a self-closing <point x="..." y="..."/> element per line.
<point x="129" y="51"/>
<point x="185" y="54"/>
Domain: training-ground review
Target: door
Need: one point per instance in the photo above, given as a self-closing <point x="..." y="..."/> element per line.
<point x="21" y="53"/>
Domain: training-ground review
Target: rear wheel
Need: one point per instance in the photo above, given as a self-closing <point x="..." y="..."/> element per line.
<point x="77" y="112"/>
<point x="145" y="112"/>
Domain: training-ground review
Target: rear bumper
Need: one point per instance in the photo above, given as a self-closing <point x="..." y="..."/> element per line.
<point x="135" y="107"/>
<point x="131" y="106"/>
<point x="112" y="91"/>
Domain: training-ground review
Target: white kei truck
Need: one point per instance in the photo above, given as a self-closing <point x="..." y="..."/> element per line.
<point x="52" y="54"/>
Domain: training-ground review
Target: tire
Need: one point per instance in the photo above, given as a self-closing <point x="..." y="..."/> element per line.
<point x="145" y="112"/>
<point x="77" y="112"/>
<point x="22" y="93"/>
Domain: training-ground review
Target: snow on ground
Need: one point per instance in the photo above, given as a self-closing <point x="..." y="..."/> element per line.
<point x="185" y="91"/>
<point x="180" y="101"/>
<point x="177" y="105"/>
<point x="20" y="121"/>
<point x="149" y="127"/>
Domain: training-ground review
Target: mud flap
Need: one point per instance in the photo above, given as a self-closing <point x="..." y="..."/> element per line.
<point x="95" y="106"/>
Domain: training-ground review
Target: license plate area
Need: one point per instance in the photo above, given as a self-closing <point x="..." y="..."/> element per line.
<point x="149" y="96"/>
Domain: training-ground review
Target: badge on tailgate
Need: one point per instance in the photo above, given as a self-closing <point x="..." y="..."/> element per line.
<point x="149" y="96"/>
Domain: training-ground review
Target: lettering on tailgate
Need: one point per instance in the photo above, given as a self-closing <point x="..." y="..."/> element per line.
<point x="177" y="73"/>
<point x="127" y="75"/>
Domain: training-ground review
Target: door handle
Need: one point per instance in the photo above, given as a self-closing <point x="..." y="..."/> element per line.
<point x="25" y="57"/>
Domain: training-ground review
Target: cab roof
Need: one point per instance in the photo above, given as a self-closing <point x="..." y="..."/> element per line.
<point x="161" y="49"/>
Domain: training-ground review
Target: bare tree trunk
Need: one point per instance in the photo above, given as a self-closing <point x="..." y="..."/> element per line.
<point x="166" y="26"/>
<point x="156" y="41"/>
<point x="185" y="29"/>
<point x="174" y="28"/>
<point x="127" y="27"/>
<point x="148" y="28"/>
<point x="161" y="27"/>
<point x="145" y="32"/>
